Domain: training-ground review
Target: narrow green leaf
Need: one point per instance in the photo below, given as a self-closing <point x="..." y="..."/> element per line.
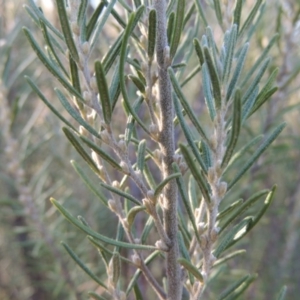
<point x="74" y="75"/>
<point x="185" y="254"/>
<point x="282" y="293"/>
<point x="89" y="183"/>
<point x="170" y="26"/>
<point x="137" y="273"/>
<point x="264" y="98"/>
<point x="170" y="7"/>
<point x="137" y="3"/>
<point x="235" y="129"/>
<point x="149" y="177"/>
<point x="229" y="209"/>
<point x="73" y="112"/>
<point x="132" y="214"/>
<point x="229" y="53"/>
<point x="193" y="196"/>
<point x="201" y="12"/>
<point x="116" y="267"/>
<point x="205" y="154"/>
<point x="33" y="16"/>
<point x="258" y="62"/>
<point x="190" y="76"/>
<point x="147" y="228"/>
<point x="269" y="84"/>
<point x="138" y="83"/>
<point x="188" y="135"/>
<point x="95" y="296"/>
<point x="161" y="186"/>
<point x="103" y="91"/>
<point x="47" y="63"/>
<point x="52" y="108"/>
<point x="66" y="29"/>
<point x="251" y="17"/>
<point x="75" y="80"/>
<point x="81" y="19"/>
<point x="266" y="205"/>
<point x="131" y="120"/>
<point x="199" y="51"/>
<point x="237" y="13"/>
<point x="104" y="249"/>
<point x="265" y="90"/>
<point x="105" y="156"/>
<point x="256" y="154"/>
<point x="131" y="23"/>
<point x="237" y="230"/>
<point x="119" y="19"/>
<point x="240" y="290"/>
<point x="96" y="32"/>
<point x="237" y="71"/>
<point x="152" y="34"/>
<point x="40" y="15"/>
<point x="256" y="80"/>
<point x="125" y="5"/>
<point x="240" y="209"/>
<point x="94" y="234"/>
<point x="214" y="79"/>
<point x="218" y="12"/>
<point x="120" y="193"/>
<point x="189" y="14"/>
<point x="141" y="152"/>
<point x="186" y="105"/>
<point x="211" y="44"/>
<point x="183" y="250"/>
<point x="178" y="25"/>
<point x="115" y="89"/>
<point x="93" y="20"/>
<point x="133" y="62"/>
<point x="75" y="142"/>
<point x="201" y="181"/>
<point x="232" y="288"/>
<point x="228" y="257"/>
<point x="242" y="152"/>
<point x="185" y="200"/>
<point x="83" y="220"/>
<point x="248" y="105"/>
<point x="137" y="292"/>
<point x="207" y="92"/>
<point x="82" y="265"/>
<point x="190" y="268"/>
<point x="141" y="76"/>
<point x="48" y="39"/>
<point x="82" y="12"/>
<point x="183" y="228"/>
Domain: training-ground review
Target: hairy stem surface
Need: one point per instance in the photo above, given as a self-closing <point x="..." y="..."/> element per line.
<point x="167" y="146"/>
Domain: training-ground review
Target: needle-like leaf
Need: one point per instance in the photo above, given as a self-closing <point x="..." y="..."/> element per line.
<point x="178" y="24"/>
<point x="65" y="26"/>
<point x="152" y="34"/>
<point x="94" y="234"/>
<point x="103" y="91"/>
<point x="82" y="265"/>
<point x="235" y="128"/>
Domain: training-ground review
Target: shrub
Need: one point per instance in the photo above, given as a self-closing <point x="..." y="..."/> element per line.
<point x="164" y="171"/>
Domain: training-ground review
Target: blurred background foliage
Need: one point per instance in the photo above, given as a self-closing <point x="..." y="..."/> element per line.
<point x="35" y="157"/>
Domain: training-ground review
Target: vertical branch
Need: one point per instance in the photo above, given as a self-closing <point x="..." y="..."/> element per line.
<point x="166" y="139"/>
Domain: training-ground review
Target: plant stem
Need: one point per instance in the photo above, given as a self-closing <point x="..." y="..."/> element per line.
<point x="167" y="146"/>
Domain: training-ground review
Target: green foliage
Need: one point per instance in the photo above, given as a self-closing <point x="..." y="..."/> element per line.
<point x="169" y="150"/>
<point x="216" y="73"/>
